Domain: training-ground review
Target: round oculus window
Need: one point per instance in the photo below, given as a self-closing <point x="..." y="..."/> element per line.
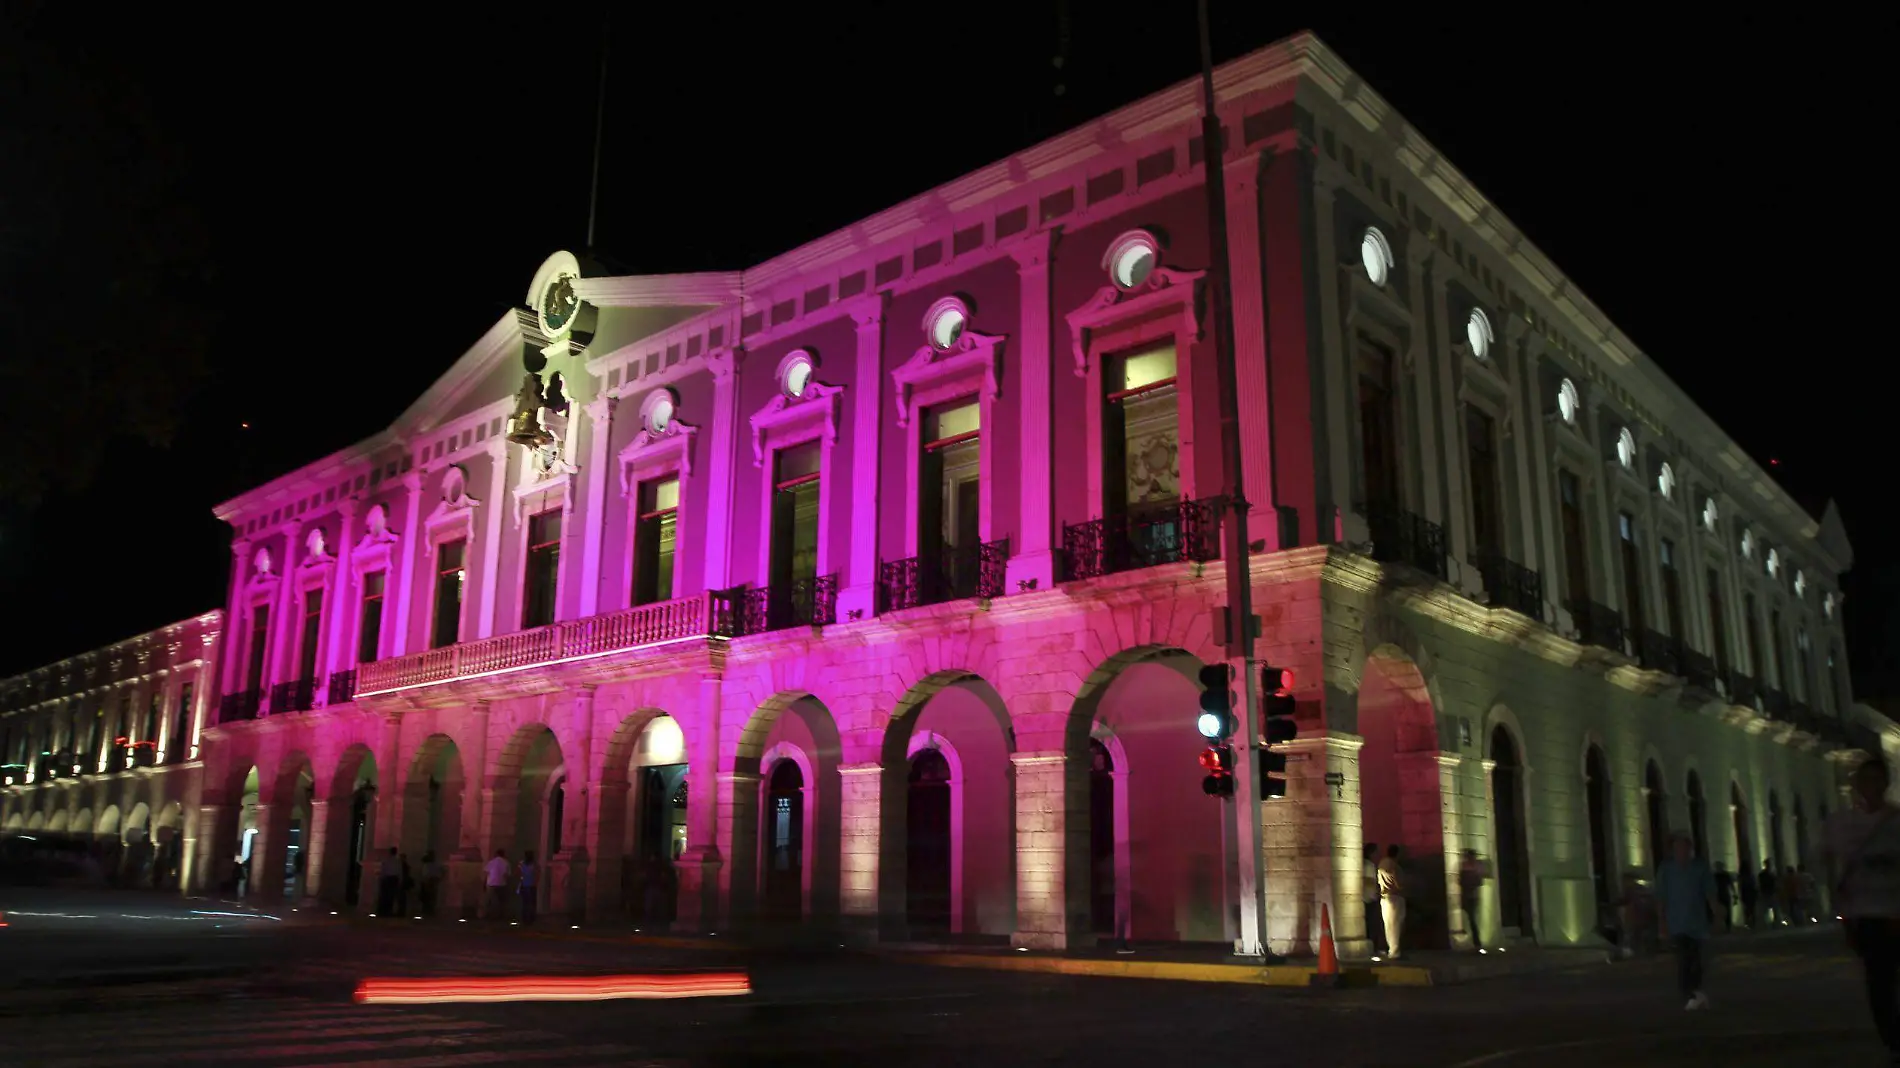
<point x="1568" y="403"/>
<point x="1710" y="513"/>
<point x="1132" y="258"/>
<point x="1478" y="333"/>
<point x="1774" y="563"/>
<point x="1748" y="544"/>
<point x="1666" y="481"/>
<point x="1827" y="606"/>
<point x="1800" y="584"/>
<point x="797" y="377"/>
<point x="659" y="410"/>
<point x="945" y="322"/>
<point x="1375" y="255"/>
<point x="1626" y="447"/>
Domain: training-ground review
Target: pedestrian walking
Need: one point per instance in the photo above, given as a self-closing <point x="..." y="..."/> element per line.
<point x="388" y="883"/>
<point x="495" y="876"/>
<point x="1369" y="894"/>
<point x="529" y="886"/>
<point x="1472" y="872"/>
<point x="1686" y="892"/>
<point x="1860" y="850"/>
<point x="1725" y="896"/>
<point x="1392" y="900"/>
<point x="431" y="881"/>
<point x="1770" y="896"/>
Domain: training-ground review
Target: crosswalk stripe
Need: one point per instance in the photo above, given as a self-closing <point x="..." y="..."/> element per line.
<point x="485" y="1057"/>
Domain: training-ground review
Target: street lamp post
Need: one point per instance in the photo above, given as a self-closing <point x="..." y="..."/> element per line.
<point x="1252" y="888"/>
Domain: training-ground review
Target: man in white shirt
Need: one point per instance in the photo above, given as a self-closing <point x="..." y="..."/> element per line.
<point x="497" y="879"/>
<point x="1860" y="851"/>
<point x="1392" y="899"/>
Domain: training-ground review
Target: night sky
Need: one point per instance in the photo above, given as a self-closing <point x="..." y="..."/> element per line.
<point x="229" y="247"/>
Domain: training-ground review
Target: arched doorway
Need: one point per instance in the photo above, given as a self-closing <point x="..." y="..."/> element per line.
<point x="646" y="791"/>
<point x="927" y="842"/>
<point x="1399" y="787"/>
<point x="135" y="845"/>
<point x="784" y="837"/>
<point x="168" y="865"/>
<point x="1102" y="840"/>
<point x="532" y="804"/>
<point x="352" y="826"/>
<point x="245" y="878"/>
<point x="1744" y="842"/>
<point x="1596" y="784"/>
<point x="1656" y="815"/>
<point x="1772" y="856"/>
<point x="432" y="810"/>
<point x="1698" y="816"/>
<point x="1511" y="847"/>
<point x="1800" y="834"/>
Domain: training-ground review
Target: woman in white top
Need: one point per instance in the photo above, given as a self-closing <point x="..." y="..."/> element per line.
<point x="1860" y="851"/>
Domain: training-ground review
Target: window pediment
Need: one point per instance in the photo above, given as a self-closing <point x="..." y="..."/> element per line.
<point x="671" y="447"/>
<point x="972" y="356"/>
<point x="819" y="405"/>
<point x="1164" y="292"/>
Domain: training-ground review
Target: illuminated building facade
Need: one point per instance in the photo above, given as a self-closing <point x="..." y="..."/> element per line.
<point x="867" y="587"/>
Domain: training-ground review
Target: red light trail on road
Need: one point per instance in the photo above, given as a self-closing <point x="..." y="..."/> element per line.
<point x="407" y="991"/>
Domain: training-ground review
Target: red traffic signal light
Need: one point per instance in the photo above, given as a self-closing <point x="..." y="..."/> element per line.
<point x="1276" y="680"/>
<point x="1219" y="762"/>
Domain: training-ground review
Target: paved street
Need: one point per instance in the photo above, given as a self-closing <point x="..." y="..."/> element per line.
<point x="1777" y="998"/>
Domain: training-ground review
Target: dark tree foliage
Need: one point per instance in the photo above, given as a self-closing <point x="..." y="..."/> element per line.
<point x="105" y="288"/>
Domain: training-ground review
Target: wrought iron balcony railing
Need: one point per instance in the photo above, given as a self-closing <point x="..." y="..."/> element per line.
<point x="706" y="615"/>
<point x="1147" y="536"/>
<point x="342" y="687"/>
<point x="1598" y="624"/>
<point x="1742" y="689"/>
<point x="236" y="707"/>
<point x="1402" y="537"/>
<point x="809" y="602"/>
<point x="1512" y="585"/>
<point x="1659" y="652"/>
<point x="954" y="574"/>
<point x="1698" y="669"/>
<point x="297" y="695"/>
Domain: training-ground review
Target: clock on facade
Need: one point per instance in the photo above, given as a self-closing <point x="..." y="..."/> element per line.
<point x="559" y="303"/>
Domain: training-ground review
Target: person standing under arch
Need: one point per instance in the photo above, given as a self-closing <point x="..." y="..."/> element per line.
<point x="1392" y="900"/>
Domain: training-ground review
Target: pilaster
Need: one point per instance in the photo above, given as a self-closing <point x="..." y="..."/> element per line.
<point x="860" y="789"/>
<point x="600" y="432"/>
<point x="1312" y="844"/>
<point x="721" y="464"/>
<point x="1032" y="559"/>
<point x="411" y="533"/>
<point x="699" y="866"/>
<point x="1250" y="346"/>
<point x="342" y="657"/>
<point x="494" y="507"/>
<point x="858" y="599"/>
<point x="316" y="845"/>
<point x="1042" y="891"/>
<point x="1340" y="417"/>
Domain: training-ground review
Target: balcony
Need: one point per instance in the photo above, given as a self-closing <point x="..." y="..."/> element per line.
<point x="1742" y="689"/>
<point x="1145" y="537"/>
<point x="240" y="706"/>
<point x="801" y="603"/>
<point x="1775" y="704"/>
<point x="342" y="687"/>
<point x="706" y="615"/>
<point x="297" y="695"/>
<point x="1402" y="537"/>
<point x="952" y="575"/>
<point x="1598" y="624"/>
<point x="1699" y="669"/>
<point x="1512" y="585"/>
<point x="1659" y="652"/>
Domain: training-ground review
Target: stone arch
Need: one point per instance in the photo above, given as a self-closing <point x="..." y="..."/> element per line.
<point x="137" y="823"/>
<point x="1167" y="860"/>
<point x="1396" y="714"/>
<point x="966" y="709"/>
<point x="1599" y="798"/>
<point x="1741" y="827"/>
<point x="350" y="819"/>
<point x="1511" y="845"/>
<point x="1655" y="806"/>
<point x="15" y="821"/>
<point x="529" y="765"/>
<point x="36" y="821"/>
<point x="82" y="821"/>
<point x="796" y="721"/>
<point x="60" y="821"/>
<point x="1383" y="634"/>
<point x="432" y="798"/>
<point x="168" y="841"/>
<point x="633" y="836"/>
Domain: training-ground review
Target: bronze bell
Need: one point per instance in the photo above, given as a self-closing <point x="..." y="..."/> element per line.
<point x="524" y="427"/>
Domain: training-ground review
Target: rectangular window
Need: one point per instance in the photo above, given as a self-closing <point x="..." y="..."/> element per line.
<point x="543" y="571"/>
<point x="154" y="708"/>
<point x="1781" y="658"/>
<point x="1141" y="432"/>
<point x="1576" y="563"/>
<point x="656" y="540"/>
<point x="1751" y="634"/>
<point x="950" y="496"/>
<point x="1378" y="437"/>
<point x="795" y="476"/>
<point x="179" y="747"/>
<point x="446" y="626"/>
<point x="1632" y="575"/>
<point x="1804" y="659"/>
<point x="1672" y="590"/>
<point x="1718" y="626"/>
<point x="1836" y="692"/>
<point x="312" y="629"/>
<point x="1487" y="518"/>
<point x="260" y="642"/>
<point x="369" y="632"/>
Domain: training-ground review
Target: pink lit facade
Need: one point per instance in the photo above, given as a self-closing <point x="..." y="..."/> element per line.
<point x="866" y="588"/>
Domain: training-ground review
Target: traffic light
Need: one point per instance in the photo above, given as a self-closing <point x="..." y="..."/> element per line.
<point x="1277" y="726"/>
<point x="1216" y="720"/>
<point x="1219" y="762"/>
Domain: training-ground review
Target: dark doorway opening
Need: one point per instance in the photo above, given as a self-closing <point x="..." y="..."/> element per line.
<point x="784" y="835"/>
<point x="927" y="833"/>
<point x="359" y="844"/>
<point x="1513" y="867"/>
<point x="1596" y="774"/>
<point x="1101" y="840"/>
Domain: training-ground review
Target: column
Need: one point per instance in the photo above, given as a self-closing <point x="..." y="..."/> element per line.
<point x="739" y="843"/>
<point x="463" y="895"/>
<point x="1244" y="247"/>
<point x="240" y="569"/>
<point x="1416" y="388"/>
<point x="316" y="842"/>
<point x="698" y="867"/>
<point x="598" y="474"/>
<point x="1451" y="811"/>
<point x="1335" y="338"/>
<point x="570" y="867"/>
<point x="720" y="463"/>
<point x="1042" y="891"/>
<point x="1544" y="552"/>
<point x="267" y="855"/>
<point x="1313" y="846"/>
<point x="493" y="509"/>
<point x="389" y="785"/>
<point x="1493" y="887"/>
<point x="339" y="606"/>
<point x="858" y="841"/>
<point x="205" y="856"/>
<point x="858" y="599"/>
<point x="406" y="555"/>
<point x="1032" y="556"/>
<point x="1450" y="426"/>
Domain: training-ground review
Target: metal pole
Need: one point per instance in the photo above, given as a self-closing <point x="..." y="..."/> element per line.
<point x="600" y="125"/>
<point x="1252" y="889"/>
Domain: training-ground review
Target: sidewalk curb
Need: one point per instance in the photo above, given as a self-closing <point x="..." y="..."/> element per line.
<point x="1280" y="975"/>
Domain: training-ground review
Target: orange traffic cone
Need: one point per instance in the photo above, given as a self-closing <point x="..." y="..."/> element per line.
<point x="1327" y="974"/>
